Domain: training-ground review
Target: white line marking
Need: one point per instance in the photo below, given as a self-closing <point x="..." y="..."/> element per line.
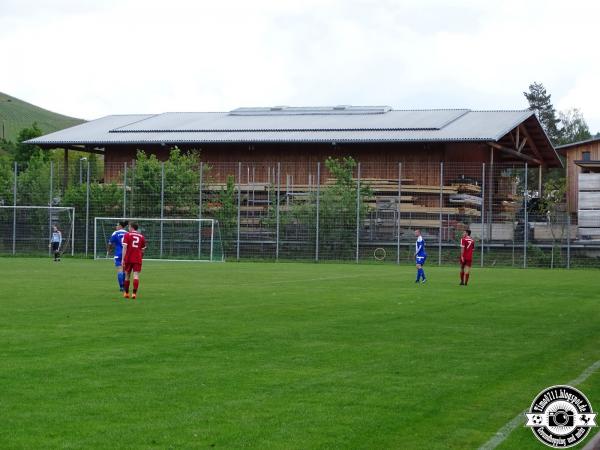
<point x="519" y="419"/>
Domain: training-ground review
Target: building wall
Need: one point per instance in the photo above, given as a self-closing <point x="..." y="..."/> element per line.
<point x="300" y="160"/>
<point x="575" y="154"/>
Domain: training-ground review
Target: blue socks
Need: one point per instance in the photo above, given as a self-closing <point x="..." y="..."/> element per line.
<point x="121" y="279"/>
<point x="420" y="274"/>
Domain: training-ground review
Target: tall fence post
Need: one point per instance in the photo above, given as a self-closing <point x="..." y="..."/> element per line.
<point x="441" y="213"/>
<point x="357" y="212"/>
<point x="239" y="208"/>
<point x="51" y="194"/>
<point x="131" y="202"/>
<point x="568" y="217"/>
<point x="318" y="211"/>
<point x="73" y="234"/>
<point x="200" y="211"/>
<point x="212" y="239"/>
<point x="87" y="209"/>
<point x="525" y="220"/>
<point x="124" y="189"/>
<point x="482" y="251"/>
<point x="277" y="211"/>
<point x="568" y="240"/>
<point x="14" y="235"/>
<point x="398" y="210"/>
<point x="490" y="215"/>
<point x="162" y="204"/>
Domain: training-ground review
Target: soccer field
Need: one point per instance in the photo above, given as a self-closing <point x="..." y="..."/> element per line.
<point x="285" y="356"/>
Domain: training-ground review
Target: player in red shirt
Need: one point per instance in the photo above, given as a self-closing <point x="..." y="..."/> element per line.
<point x="134" y="245"/>
<point x="467" y="245"/>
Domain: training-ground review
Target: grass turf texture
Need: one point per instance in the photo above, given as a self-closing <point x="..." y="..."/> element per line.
<point x="254" y="355"/>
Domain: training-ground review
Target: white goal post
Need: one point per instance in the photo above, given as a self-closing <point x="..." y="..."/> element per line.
<point x="167" y="239"/>
<point x="27" y="229"/>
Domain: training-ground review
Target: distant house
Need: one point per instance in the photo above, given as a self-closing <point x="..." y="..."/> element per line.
<point x="583" y="173"/>
<point x="581" y="157"/>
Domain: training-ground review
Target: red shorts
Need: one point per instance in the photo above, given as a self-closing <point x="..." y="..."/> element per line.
<point x="466" y="263"/>
<point x="135" y="267"/>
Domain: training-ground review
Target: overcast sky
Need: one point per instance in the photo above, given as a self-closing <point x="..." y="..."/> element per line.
<point x="92" y="58"/>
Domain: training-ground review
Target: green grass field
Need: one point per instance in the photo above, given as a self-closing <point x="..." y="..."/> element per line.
<point x="285" y="356"/>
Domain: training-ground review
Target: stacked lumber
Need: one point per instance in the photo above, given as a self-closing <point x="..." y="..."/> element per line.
<point x="415" y="199"/>
<point x="467" y="188"/>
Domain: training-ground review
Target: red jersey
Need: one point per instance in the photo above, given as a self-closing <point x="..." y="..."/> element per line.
<point x="468" y="245"/>
<point x="136" y="243"/>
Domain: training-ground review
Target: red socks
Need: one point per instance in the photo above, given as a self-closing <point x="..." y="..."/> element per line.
<point x="136" y="283"/>
<point x="466" y="278"/>
<point x="462" y="276"/>
<point x="126" y="285"/>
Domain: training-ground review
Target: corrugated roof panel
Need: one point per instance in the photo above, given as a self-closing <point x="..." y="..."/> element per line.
<point x="88" y="131"/>
<point x="469" y="126"/>
<point x="392" y="120"/>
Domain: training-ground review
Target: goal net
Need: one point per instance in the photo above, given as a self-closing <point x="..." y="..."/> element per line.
<point x="167" y="239"/>
<point x="26" y="230"/>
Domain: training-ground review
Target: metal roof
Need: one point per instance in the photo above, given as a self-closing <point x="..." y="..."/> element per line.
<point x="577" y="144"/>
<point x="324" y="124"/>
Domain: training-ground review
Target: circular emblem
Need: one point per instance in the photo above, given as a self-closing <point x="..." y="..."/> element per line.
<point x="560" y="416"/>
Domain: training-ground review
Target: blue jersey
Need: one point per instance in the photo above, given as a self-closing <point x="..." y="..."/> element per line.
<point x="116" y="240"/>
<point x="420" y="247"/>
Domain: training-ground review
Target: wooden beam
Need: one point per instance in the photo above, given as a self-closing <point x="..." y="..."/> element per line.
<point x="512" y="152"/>
<point x="532" y="145"/>
<point x="96" y="150"/>
<point x="520" y="149"/>
<point x="76" y="148"/>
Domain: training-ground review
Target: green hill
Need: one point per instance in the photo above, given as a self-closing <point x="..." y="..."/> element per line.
<point x="16" y="114"/>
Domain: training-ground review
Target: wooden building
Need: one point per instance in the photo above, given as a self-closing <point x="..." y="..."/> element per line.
<point x="583" y="190"/>
<point x="375" y="136"/>
<point x="478" y="150"/>
<point x="580" y="157"/>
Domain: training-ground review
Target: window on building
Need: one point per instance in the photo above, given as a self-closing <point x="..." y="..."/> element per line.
<point x="585" y="156"/>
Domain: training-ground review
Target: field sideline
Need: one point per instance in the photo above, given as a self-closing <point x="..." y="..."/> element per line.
<point x="294" y="356"/>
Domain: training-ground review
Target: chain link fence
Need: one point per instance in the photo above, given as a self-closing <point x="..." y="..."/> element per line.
<point x="355" y="212"/>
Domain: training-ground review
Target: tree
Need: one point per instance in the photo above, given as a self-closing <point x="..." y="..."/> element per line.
<point x="7" y="148"/>
<point x="337" y="210"/>
<point x="24" y="152"/>
<point x="34" y="182"/>
<point x="539" y="101"/>
<point x="182" y="183"/>
<point x="105" y="199"/>
<point x="225" y="211"/>
<point x="552" y="205"/>
<point x="6" y="181"/>
<point x="574" y="127"/>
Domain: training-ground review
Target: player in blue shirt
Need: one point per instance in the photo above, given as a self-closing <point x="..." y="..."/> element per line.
<point x="116" y="242"/>
<point x="420" y="256"/>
